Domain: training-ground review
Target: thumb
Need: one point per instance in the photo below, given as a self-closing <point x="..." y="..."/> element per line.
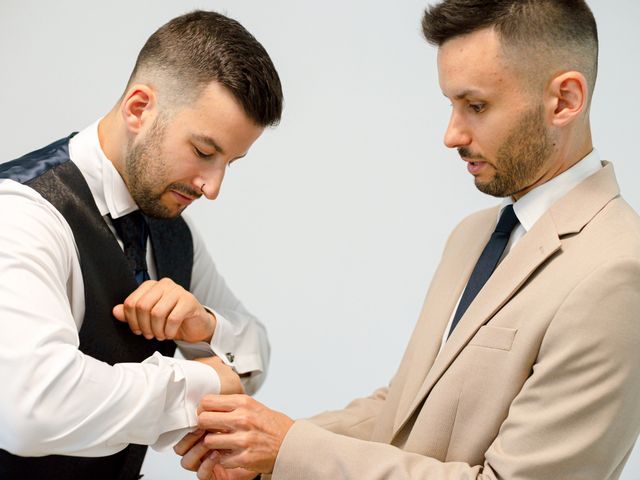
<point x="118" y="312"/>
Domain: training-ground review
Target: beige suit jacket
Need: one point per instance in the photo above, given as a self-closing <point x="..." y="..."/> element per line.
<point x="540" y="379"/>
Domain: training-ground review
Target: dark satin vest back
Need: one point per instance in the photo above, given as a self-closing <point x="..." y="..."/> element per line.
<point x="108" y="280"/>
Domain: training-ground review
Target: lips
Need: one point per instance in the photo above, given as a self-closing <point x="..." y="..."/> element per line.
<point x="182" y="199"/>
<point x="476" y="167"/>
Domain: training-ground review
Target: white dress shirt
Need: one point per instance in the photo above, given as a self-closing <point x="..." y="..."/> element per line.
<point x="535" y="203"/>
<point x="57" y="400"/>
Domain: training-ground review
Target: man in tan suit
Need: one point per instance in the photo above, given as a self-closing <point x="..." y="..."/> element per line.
<point x="522" y="370"/>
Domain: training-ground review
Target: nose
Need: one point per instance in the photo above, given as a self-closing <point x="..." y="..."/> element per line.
<point x="210" y="183"/>
<point x="456" y="135"/>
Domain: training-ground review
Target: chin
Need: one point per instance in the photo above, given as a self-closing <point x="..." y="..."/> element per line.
<point x="162" y="212"/>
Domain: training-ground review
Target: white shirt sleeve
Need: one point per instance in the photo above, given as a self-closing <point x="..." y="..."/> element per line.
<point x="240" y="340"/>
<point x="55" y="399"/>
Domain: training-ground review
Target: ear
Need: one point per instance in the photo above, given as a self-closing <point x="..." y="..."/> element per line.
<point x="567" y="96"/>
<point x="138" y="107"/>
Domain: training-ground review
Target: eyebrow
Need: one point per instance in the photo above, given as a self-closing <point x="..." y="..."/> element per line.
<point x="467" y="93"/>
<point x="209" y="141"/>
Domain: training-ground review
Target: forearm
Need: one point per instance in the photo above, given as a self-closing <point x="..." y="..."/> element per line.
<point x="72" y="404"/>
<point x="56" y="400"/>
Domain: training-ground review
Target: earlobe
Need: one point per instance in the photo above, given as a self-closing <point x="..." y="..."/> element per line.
<point x="137" y="105"/>
<point x="570" y="93"/>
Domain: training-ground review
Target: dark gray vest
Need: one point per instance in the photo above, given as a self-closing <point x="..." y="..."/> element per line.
<point x="108" y="280"/>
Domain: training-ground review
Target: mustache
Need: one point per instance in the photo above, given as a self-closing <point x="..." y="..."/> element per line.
<point x="185" y="190"/>
<point x="464" y="152"/>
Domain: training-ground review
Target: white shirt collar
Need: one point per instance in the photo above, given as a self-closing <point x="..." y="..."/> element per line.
<point x="535" y="203"/>
<point x="109" y="190"/>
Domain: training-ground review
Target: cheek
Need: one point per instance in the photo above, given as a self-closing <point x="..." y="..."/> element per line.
<point x="175" y="164"/>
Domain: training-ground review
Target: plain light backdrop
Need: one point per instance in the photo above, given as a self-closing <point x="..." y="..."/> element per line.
<point x="331" y="228"/>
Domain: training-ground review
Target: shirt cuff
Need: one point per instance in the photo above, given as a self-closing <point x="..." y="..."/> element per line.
<point x="200" y="380"/>
<point x="223" y="345"/>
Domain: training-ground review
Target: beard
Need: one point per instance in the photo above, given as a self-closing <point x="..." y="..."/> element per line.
<point x="520" y="158"/>
<point x="146" y="174"/>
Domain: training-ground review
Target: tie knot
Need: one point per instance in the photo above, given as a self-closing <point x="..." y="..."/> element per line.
<point x="508" y="220"/>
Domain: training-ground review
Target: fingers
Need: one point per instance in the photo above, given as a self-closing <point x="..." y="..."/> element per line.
<point x="188" y="441"/>
<point x="164" y="306"/>
<point x="208" y="470"/>
<point x="236" y="473"/>
<point x="193" y="458"/>
<point x="249" y="433"/>
<point x="217" y="421"/>
<point x="128" y="313"/>
<point x="223" y="403"/>
<point x="177" y="310"/>
<point x="220" y="473"/>
<point x="156" y="309"/>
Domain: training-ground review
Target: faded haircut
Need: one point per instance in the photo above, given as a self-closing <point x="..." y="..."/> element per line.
<point x="189" y="52"/>
<point x="540" y="37"/>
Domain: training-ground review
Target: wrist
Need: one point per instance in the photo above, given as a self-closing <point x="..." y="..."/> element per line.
<point x="213" y="321"/>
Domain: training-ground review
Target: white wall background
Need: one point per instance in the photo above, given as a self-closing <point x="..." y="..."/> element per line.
<point x="331" y="228"/>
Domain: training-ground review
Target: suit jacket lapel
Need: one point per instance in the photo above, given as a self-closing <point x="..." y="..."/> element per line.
<point x="569" y="215"/>
<point x="446" y="287"/>
<point x="442" y="297"/>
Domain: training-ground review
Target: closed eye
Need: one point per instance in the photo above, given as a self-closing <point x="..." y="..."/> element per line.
<point x="202" y="154"/>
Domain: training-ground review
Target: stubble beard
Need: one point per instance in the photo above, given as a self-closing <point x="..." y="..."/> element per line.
<point x="520" y="158"/>
<point x="145" y="170"/>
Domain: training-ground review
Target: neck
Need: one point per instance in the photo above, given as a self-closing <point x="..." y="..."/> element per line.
<point x="112" y="139"/>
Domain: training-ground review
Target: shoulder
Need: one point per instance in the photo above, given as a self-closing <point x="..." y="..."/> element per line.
<point x="29" y="223"/>
<point x="614" y="231"/>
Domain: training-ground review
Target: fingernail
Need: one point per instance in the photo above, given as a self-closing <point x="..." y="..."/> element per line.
<point x="214" y="455"/>
<point x="137" y="332"/>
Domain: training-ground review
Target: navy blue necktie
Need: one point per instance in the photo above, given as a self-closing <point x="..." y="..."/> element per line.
<point x="134" y="232"/>
<point x="487" y="262"/>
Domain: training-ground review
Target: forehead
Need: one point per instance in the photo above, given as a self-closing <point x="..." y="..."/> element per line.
<point x="474" y="62"/>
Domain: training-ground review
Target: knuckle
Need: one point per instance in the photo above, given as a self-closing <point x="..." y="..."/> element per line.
<point x="249" y="439"/>
<point x="141" y="307"/>
<point x="208" y="442"/>
<point x="157" y="313"/>
<point x="243" y="421"/>
<point x="129" y="304"/>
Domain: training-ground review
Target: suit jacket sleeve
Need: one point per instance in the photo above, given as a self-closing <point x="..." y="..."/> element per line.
<point x="357" y="420"/>
<point x="577" y="415"/>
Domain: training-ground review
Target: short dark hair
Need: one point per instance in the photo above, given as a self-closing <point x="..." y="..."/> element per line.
<point x="565" y="29"/>
<point x="200" y="47"/>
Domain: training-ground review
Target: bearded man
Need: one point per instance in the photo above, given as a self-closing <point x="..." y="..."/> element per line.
<point x="101" y="275"/>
